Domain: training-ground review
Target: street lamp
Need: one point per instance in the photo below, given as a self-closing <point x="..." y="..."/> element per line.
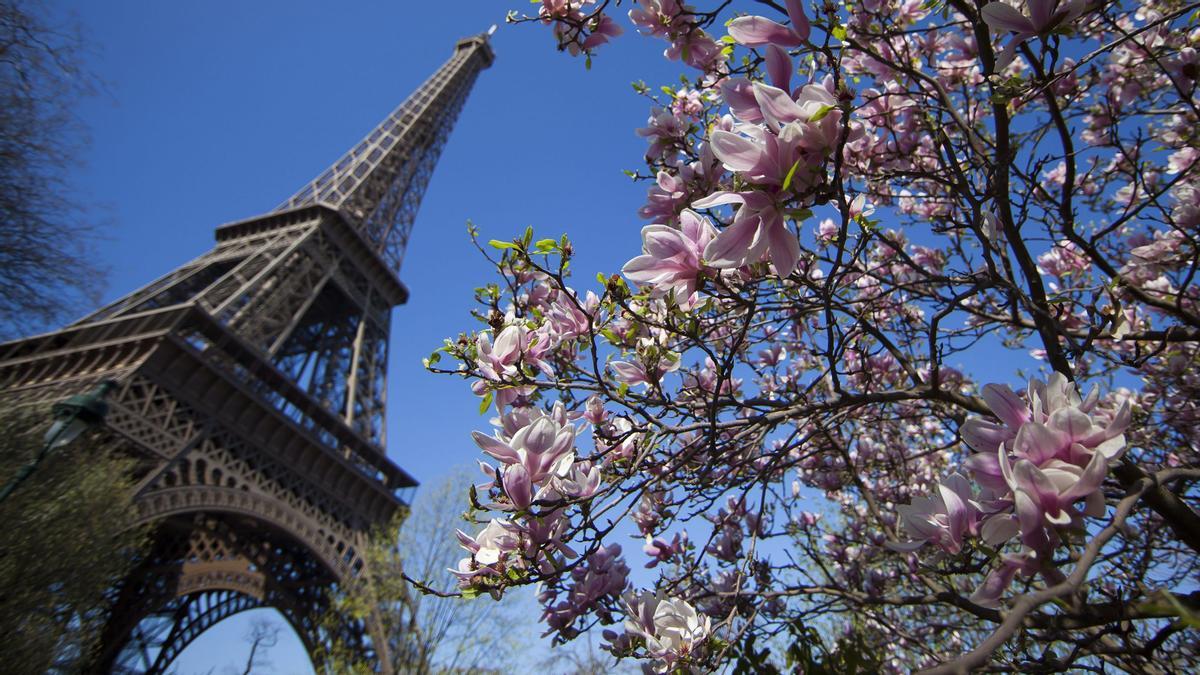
<point x="71" y="418"/>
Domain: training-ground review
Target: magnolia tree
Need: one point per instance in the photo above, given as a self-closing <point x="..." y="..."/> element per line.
<point x="853" y="206"/>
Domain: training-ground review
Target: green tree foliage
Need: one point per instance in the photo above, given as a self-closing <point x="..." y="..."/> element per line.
<point x="65" y="539"/>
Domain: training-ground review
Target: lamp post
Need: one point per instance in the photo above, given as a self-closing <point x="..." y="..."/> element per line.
<point x="71" y="418"/>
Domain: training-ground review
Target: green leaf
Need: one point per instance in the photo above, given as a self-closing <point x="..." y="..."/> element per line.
<point x="470" y="593"/>
<point x="496" y="243"/>
<point x="787" y="180"/>
<point x="528" y="236"/>
<point x="433" y="358"/>
<point x="486" y="403"/>
<point x="839" y="32"/>
<point x="668" y="91"/>
<point x="546" y="245"/>
<point x="820" y="115"/>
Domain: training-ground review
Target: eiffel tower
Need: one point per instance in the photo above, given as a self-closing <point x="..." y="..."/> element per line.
<point x="252" y="388"/>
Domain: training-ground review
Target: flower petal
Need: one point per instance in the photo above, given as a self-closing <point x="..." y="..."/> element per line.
<point x="800" y="25"/>
<point x="496" y="448"/>
<point x="719" y="199"/>
<point x="736" y="152"/>
<point x="999" y="529"/>
<point x="730" y="247"/>
<point x="1006" y="405"/>
<point x="739" y="94"/>
<point x="777" y="106"/>
<point x="1001" y="17"/>
<point x="784" y="247"/>
<point x="756" y="31"/>
<point x="779" y="67"/>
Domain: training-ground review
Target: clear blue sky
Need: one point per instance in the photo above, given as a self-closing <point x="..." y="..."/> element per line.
<point x="217" y="111"/>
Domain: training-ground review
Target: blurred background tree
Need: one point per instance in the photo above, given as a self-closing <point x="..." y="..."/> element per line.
<point x="429" y="634"/>
<point x="65" y="540"/>
<point x="47" y="269"/>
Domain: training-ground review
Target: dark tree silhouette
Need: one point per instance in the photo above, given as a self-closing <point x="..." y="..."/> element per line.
<point x="46" y="266"/>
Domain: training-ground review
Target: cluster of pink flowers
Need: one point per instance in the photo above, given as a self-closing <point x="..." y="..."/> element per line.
<point x="604" y="575"/>
<point x="1048" y="451"/>
<point x="669" y="629"/>
<point x="672" y="21"/>
<point x="576" y="29"/>
<point x="538" y="474"/>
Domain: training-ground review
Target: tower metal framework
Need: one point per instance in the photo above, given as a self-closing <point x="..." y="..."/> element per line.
<point x="252" y="387"/>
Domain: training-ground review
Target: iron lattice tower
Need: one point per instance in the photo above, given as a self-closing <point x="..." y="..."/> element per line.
<point x="252" y="386"/>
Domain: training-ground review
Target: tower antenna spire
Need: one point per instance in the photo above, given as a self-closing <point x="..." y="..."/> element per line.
<point x="378" y="184"/>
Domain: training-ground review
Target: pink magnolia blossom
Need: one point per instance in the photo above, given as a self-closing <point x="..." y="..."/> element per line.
<point x="652" y="364"/>
<point x="999" y="579"/>
<point x="758" y="230"/>
<point x="499" y="360"/>
<point x="671" y="627"/>
<point x="697" y="49"/>
<point x="661" y="551"/>
<point x="943" y="519"/>
<point x="657" y="17"/>
<point x="666" y="198"/>
<point x="1049" y="450"/>
<point x="672" y="259"/>
<point x="1063" y="260"/>
<point x="490" y="551"/>
<point x="1185" y="67"/>
<point x="602" y="29"/>
<point x="603" y="574"/>
<point x="1039" y="18"/>
<point x="784" y="157"/>
<point x="544" y="446"/>
<point x="665" y="131"/>
<point x="1182" y="159"/>
<point x="1046" y="454"/>
<point x="738" y="93"/>
<point x="1043" y="495"/>
<point x="568" y="318"/>
<point x="581" y="482"/>
<point x="779" y="67"/>
<point x="517" y="485"/>
<point x="757" y="31"/>
<point x="687" y="103"/>
<point x="1187" y="205"/>
<point x="594" y="411"/>
<point x="514" y="344"/>
<point x="561" y="14"/>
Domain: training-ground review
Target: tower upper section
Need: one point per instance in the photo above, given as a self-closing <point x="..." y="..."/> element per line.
<point x="378" y="185"/>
